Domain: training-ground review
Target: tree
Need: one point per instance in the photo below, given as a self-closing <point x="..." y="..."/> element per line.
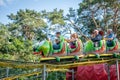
<point x="4" y="35"/>
<point x="56" y="22"/>
<point x="54" y="17"/>
<point x="26" y="22"/>
<point x="99" y="14"/>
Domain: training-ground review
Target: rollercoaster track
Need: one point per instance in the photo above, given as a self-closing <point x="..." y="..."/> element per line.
<point x="89" y="59"/>
<point x="84" y="60"/>
<point x="51" y="67"/>
<point x="33" y="73"/>
<point x="15" y="61"/>
<point x="51" y="58"/>
<point x="88" y="56"/>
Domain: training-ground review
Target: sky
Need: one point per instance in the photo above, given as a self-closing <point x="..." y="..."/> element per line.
<point x="12" y="6"/>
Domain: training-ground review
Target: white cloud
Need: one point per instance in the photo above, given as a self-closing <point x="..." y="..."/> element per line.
<point x="2" y="3"/>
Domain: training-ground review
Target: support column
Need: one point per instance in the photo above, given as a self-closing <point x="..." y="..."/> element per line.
<point x="56" y="75"/>
<point x="37" y="76"/>
<point x="44" y="72"/>
<point x="117" y="69"/>
<point x="72" y="74"/>
<point x="47" y="74"/>
<point x="7" y="72"/>
<point x="108" y="71"/>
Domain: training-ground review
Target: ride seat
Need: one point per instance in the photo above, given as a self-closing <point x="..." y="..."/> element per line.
<point x="100" y="43"/>
<point x="114" y="43"/>
<point x="61" y="46"/>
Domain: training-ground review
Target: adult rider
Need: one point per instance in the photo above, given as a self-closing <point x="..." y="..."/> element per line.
<point x="59" y="39"/>
<point x="110" y="37"/>
<point x="72" y="40"/>
<point x="96" y="37"/>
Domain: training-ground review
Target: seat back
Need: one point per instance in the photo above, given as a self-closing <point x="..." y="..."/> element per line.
<point x="88" y="46"/>
<point x="100" y="45"/>
<point x="114" y="43"/>
<point x="73" y="49"/>
<point x="61" y="46"/>
<point x="45" y="48"/>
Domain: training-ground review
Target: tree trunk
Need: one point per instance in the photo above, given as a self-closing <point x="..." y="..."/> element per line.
<point x="79" y="30"/>
<point x="115" y="21"/>
<point x="94" y="20"/>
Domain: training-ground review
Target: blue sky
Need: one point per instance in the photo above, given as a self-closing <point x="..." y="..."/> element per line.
<point x="12" y="6"/>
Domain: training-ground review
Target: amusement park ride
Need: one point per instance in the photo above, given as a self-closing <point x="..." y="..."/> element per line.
<point x="67" y="55"/>
<point x="71" y="58"/>
<point x="45" y="50"/>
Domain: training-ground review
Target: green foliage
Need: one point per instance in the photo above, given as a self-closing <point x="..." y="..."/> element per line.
<point x="16" y="38"/>
<point x="96" y="14"/>
<point x="55" y="17"/>
<point x="26" y="23"/>
<point x="56" y="76"/>
<point x="28" y="17"/>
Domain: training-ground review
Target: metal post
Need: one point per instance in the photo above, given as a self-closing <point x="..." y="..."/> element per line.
<point x="108" y="71"/>
<point x="44" y="72"/>
<point x="7" y="72"/>
<point x="56" y="75"/>
<point x="117" y="69"/>
<point x="37" y="76"/>
<point x="47" y="74"/>
<point x="72" y="74"/>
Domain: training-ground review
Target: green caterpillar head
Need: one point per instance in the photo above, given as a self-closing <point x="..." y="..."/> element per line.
<point x="35" y="47"/>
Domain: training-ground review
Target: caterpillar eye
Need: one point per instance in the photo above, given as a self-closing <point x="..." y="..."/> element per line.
<point x="34" y="49"/>
<point x="38" y="38"/>
<point x="10" y="40"/>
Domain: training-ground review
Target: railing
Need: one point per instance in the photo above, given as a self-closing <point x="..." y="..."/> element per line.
<point x="45" y="67"/>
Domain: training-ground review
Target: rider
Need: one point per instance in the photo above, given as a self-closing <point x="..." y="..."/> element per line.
<point x="72" y="41"/>
<point x="59" y="39"/>
<point x="110" y="37"/>
<point x="96" y="37"/>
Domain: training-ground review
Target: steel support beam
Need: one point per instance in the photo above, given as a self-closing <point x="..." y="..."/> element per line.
<point x="7" y="72"/>
<point x="72" y="74"/>
<point x="44" y="72"/>
<point x="117" y="69"/>
<point x="108" y="71"/>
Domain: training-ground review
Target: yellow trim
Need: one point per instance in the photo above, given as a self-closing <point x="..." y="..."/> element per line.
<point x="40" y="65"/>
<point x="67" y="57"/>
<point x="20" y="65"/>
<point x="67" y="66"/>
<point x="62" y="57"/>
<point x="92" y="55"/>
<point x="33" y="73"/>
<point x="22" y="75"/>
<point x="53" y="67"/>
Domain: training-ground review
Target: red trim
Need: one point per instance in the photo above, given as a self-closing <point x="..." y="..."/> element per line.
<point x="61" y="52"/>
<point x="77" y="49"/>
<point x="39" y="53"/>
<point x="102" y="49"/>
<point x="115" y="48"/>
